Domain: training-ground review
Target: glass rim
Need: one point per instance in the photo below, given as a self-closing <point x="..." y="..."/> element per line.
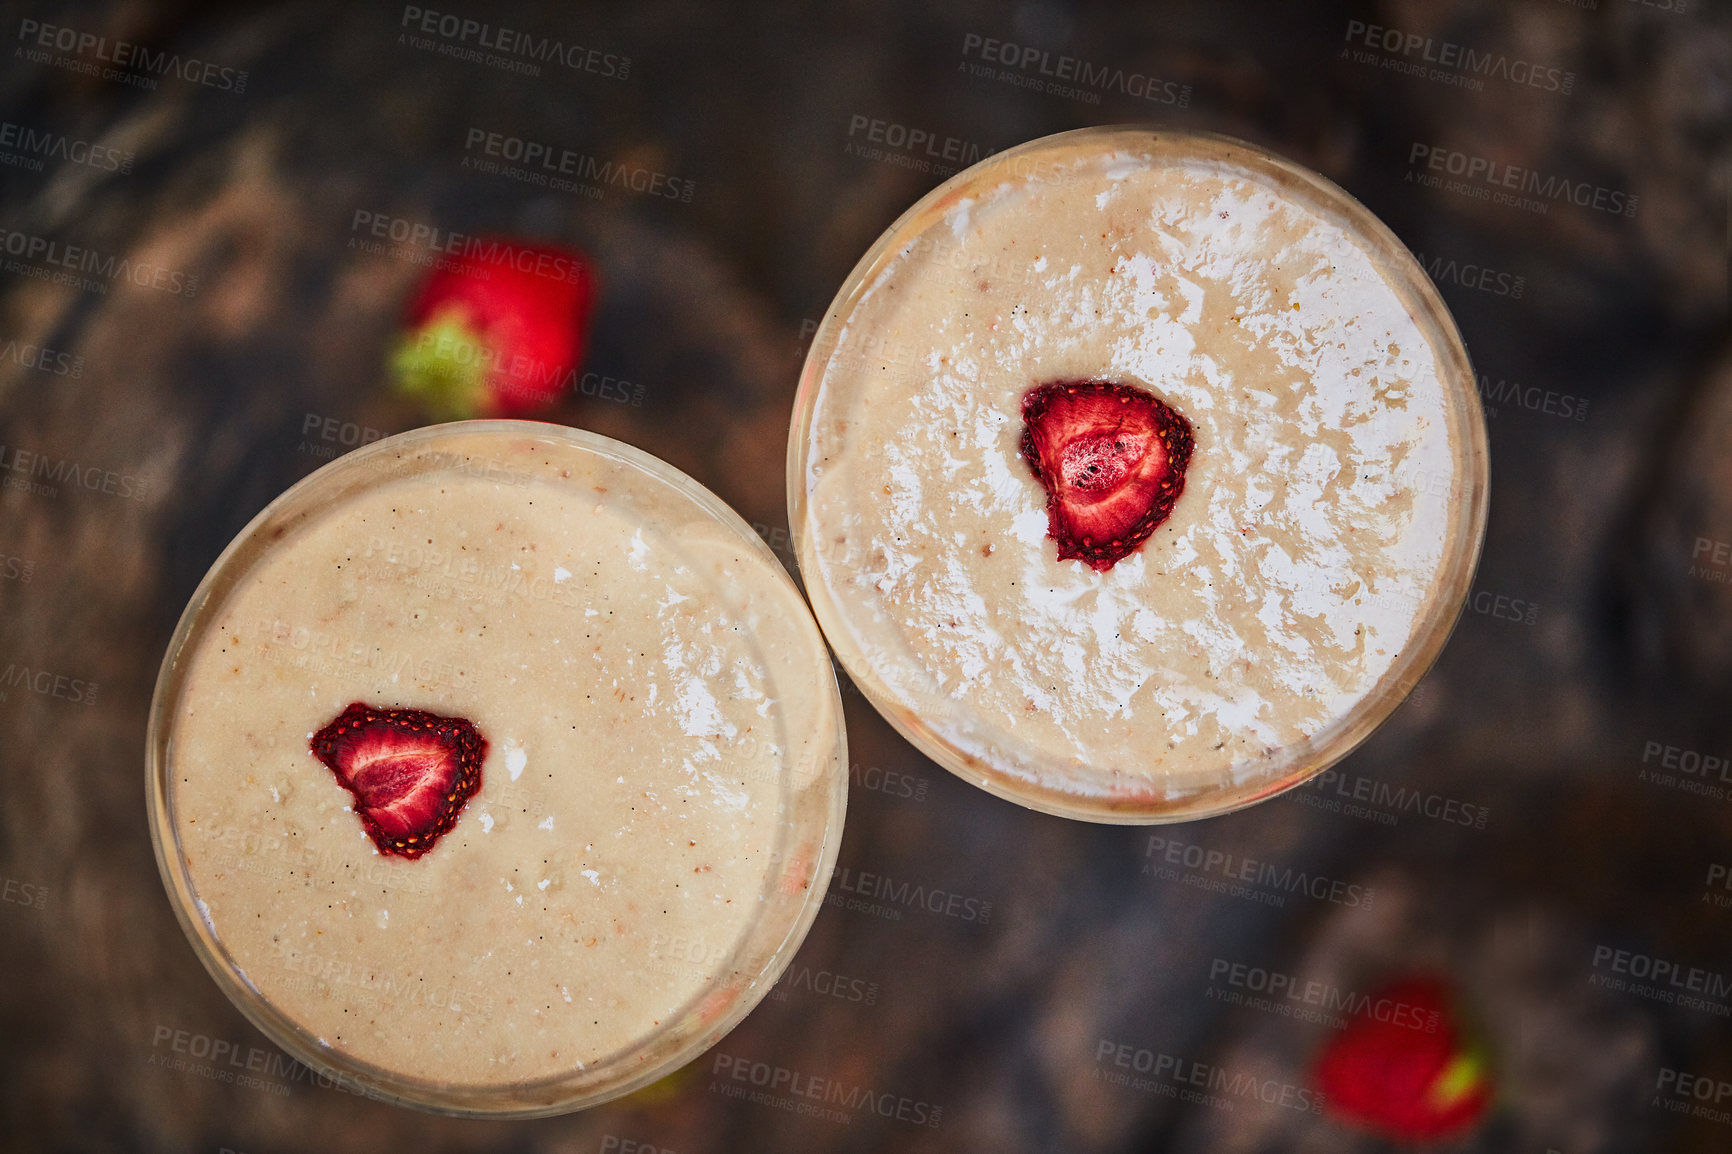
<point x="1452" y="579"/>
<point x="588" y="1085"/>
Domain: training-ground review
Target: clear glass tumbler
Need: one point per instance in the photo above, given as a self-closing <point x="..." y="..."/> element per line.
<point x="1319" y="549"/>
<point x="660" y="798"/>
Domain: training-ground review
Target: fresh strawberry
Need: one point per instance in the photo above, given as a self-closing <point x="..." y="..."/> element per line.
<point x="497" y="332"/>
<point x="1409" y="1074"/>
<point x="411" y="772"/>
<point x="1112" y="458"/>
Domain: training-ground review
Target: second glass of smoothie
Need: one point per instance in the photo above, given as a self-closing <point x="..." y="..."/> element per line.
<point x="1135" y="475"/>
<point x="496" y="768"/>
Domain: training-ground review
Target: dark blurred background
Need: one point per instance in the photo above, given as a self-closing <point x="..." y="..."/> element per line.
<point x="1578" y="719"/>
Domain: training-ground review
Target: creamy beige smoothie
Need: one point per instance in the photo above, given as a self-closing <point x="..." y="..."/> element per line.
<point x="662" y="760"/>
<point x="1331" y="506"/>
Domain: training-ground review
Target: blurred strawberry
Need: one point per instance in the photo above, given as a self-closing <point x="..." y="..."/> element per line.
<point x="1403" y="1069"/>
<point x="497" y="332"/>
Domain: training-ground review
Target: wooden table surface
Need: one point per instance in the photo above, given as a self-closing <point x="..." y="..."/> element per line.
<point x="174" y="395"/>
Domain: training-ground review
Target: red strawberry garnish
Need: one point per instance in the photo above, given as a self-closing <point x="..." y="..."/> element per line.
<point x="1410" y="1076"/>
<point x="497" y="332"/>
<point x="411" y="771"/>
<point x="1112" y="458"/>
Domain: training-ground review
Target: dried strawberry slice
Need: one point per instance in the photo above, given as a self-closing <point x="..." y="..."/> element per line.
<point x="1112" y="458"/>
<point x="411" y="771"/>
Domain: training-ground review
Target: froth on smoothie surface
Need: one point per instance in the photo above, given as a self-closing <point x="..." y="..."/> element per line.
<point x="1291" y="573"/>
<point x="628" y="820"/>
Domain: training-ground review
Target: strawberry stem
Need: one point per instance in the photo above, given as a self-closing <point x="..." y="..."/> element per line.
<point x="444" y="365"/>
<point x="1457" y="1080"/>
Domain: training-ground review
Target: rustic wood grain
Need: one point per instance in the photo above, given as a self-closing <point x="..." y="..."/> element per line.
<point x="203" y="399"/>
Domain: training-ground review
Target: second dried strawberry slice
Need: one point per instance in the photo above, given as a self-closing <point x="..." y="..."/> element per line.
<point x="410" y="771"/>
<point x="1112" y="458"/>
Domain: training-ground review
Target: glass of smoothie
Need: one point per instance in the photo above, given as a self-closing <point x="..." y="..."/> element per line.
<point x="496" y="768"/>
<point x="1137" y="475"/>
